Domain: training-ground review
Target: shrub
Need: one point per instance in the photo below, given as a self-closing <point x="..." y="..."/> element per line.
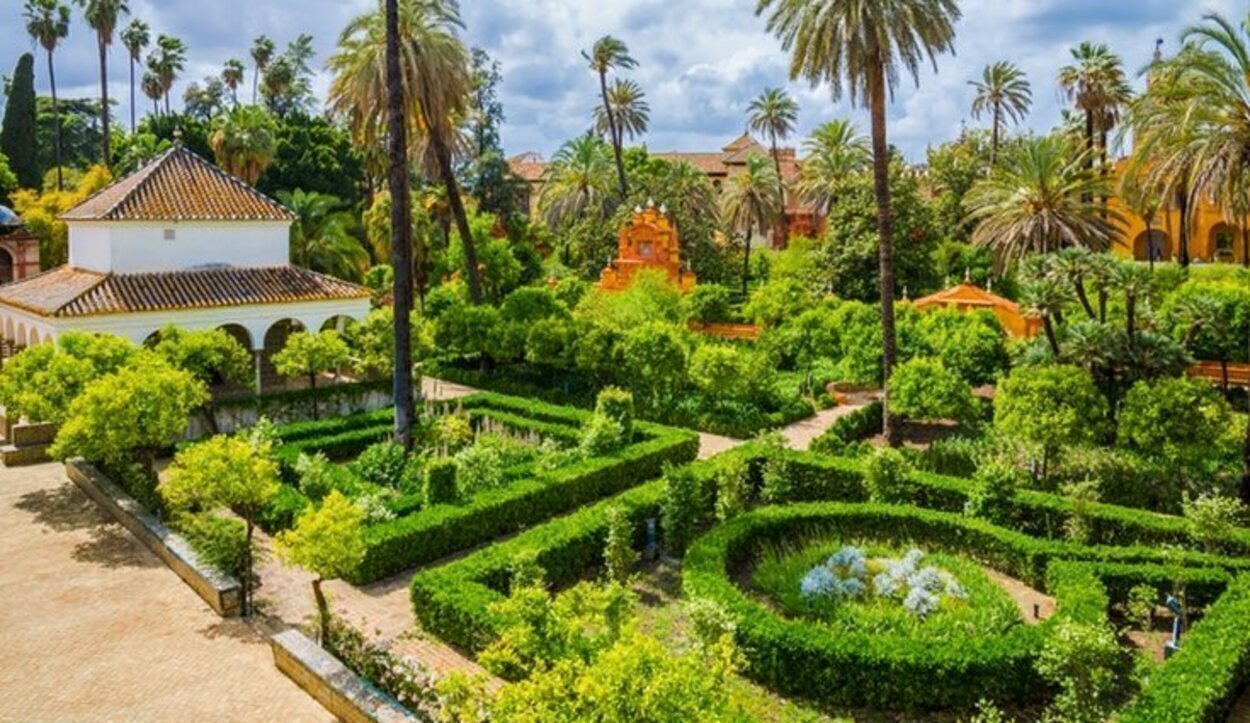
<point x="923" y="389"/>
<point x="857" y="425"/>
<point x="409" y="684"/>
<point x="618" y="405"/>
<point x="993" y="493"/>
<point x="1082" y="496"/>
<point x="683" y="508"/>
<point x="382" y="463"/>
<point x="719" y="370"/>
<point x="452" y="433"/>
<point x="1080" y="660"/>
<point x="1140" y="606"/>
<point x="479" y="467"/>
<point x="734" y="490"/>
<point x="710" y="304"/>
<point x="1212" y="517"/>
<point x="1048" y="408"/>
<point x="218" y="541"/>
<point x="440" y="482"/>
<point x="601" y="436"/>
<point x="619" y="556"/>
<point x="886" y="478"/>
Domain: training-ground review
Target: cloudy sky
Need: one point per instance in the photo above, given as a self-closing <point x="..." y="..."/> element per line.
<point x="700" y="61"/>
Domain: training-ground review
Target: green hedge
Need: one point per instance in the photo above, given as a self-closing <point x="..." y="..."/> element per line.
<point x="441" y="530"/>
<point x="1202" y="681"/>
<point x="849" y="668"/>
<point x="860" y="424"/>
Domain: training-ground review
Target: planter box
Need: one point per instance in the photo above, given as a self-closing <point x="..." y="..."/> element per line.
<point x="346" y="695"/>
<point x="26" y="443"/>
<point x="28" y="434"/>
<point x="222" y="592"/>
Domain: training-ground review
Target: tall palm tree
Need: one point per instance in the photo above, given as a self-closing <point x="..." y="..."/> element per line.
<point x="775" y="114"/>
<point x="135" y="36"/>
<point x="1038" y="200"/>
<point x="629" y="107"/>
<point x="606" y="55"/>
<point x="865" y="47"/>
<point x="167" y="61"/>
<point x="321" y="237"/>
<point x="750" y="205"/>
<point x="153" y="89"/>
<point x="832" y="152"/>
<point x="577" y="184"/>
<point x="244" y="142"/>
<point x="232" y="76"/>
<point x="262" y="52"/>
<point x="47" y="21"/>
<point x="397" y="102"/>
<point x="1096" y="85"/>
<point x="436" y="82"/>
<point x="102" y="16"/>
<point x="1005" y="94"/>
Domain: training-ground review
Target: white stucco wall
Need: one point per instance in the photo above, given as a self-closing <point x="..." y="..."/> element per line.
<point x="134" y="247"/>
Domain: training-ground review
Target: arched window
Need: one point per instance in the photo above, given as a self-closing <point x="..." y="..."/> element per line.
<point x="6" y="267"/>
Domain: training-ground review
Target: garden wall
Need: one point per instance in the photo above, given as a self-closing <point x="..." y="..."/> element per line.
<point x="346" y="695"/>
<point x="222" y="592"/>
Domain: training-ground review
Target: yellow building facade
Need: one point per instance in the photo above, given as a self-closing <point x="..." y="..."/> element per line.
<point x="1211" y="239"/>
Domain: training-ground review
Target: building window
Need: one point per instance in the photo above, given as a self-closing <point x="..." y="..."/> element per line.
<point x="169" y="234"/>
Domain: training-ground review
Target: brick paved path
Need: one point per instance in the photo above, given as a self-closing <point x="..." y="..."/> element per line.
<point x="94" y="627"/>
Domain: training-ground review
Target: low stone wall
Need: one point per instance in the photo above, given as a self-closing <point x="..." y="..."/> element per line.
<point x="222" y="592"/>
<point x="28" y="434"/>
<point x="26" y="443"/>
<point x="346" y="695"/>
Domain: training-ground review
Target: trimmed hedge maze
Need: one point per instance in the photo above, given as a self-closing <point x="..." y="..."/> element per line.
<point x="424" y="534"/>
<point x="838" y="669"/>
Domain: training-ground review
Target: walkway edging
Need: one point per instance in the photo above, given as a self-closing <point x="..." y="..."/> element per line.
<point x="222" y="592"/>
<point x="331" y="683"/>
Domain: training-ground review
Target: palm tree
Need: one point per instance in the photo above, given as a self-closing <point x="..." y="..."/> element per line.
<point x="751" y="204"/>
<point x="47" y="21"/>
<point x="577" y="184"/>
<point x="321" y="237"/>
<point x="607" y="54"/>
<point x="1045" y="297"/>
<point x="775" y="114"/>
<point x="1039" y="200"/>
<point x="135" y="37"/>
<point x="166" y="62"/>
<point x="232" y="76"/>
<point x="833" y="151"/>
<point x="262" y="52"/>
<point x="397" y="101"/>
<point x="1005" y="94"/>
<point x="244" y="142"/>
<point x="153" y="89"/>
<point x="1096" y="84"/>
<point x="436" y="81"/>
<point x="102" y="16"/>
<point x="864" y="47"/>
<point x="629" y="109"/>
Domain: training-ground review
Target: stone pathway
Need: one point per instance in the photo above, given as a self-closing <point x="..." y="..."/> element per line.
<point x="802" y="433"/>
<point x="94" y="627"/>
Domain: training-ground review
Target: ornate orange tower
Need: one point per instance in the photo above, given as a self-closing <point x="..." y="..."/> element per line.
<point x="648" y="241"/>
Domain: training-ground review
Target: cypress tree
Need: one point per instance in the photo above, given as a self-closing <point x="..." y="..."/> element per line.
<point x="17" y="133"/>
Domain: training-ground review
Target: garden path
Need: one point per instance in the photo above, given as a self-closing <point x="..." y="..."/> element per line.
<point x="802" y="433"/>
<point x="93" y="626"/>
<point x="1027" y="598"/>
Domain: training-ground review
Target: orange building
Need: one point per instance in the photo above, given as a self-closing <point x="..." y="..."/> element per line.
<point x="1211" y="237"/>
<point x="969" y="297"/>
<point x="649" y="241"/>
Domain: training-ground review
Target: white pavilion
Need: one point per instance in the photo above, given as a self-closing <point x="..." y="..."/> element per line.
<point x="179" y="242"/>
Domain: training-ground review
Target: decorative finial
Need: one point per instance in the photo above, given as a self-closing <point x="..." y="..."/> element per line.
<point x="967" y="275"/>
<point x="650" y="203"/>
<point x="637" y="209"/>
<point x="178" y="136"/>
<point x="663" y="210"/>
<point x="1158" y="49"/>
<point x="989" y="284"/>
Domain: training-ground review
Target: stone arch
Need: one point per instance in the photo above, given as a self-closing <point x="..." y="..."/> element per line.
<point x="1222" y="242"/>
<point x="9" y="329"/>
<point x="32" y="337"/>
<point x="240" y="334"/>
<point x="19" y="337"/>
<point x="1162" y="244"/>
<point x="338" y="322"/>
<point x="8" y="270"/>
<point x="275" y="338"/>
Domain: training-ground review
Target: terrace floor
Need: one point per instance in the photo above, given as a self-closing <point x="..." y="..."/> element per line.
<point x="93" y="626"/>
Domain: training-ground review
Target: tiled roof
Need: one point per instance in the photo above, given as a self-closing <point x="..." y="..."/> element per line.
<point x="71" y="292"/>
<point x="529" y="166"/>
<point x="178" y="185"/>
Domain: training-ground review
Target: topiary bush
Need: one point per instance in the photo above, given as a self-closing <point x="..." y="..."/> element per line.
<point x="440" y="483"/>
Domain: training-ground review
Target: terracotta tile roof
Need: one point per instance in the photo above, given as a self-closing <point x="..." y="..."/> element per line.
<point x="178" y="185"/>
<point x="529" y="166"/>
<point x="71" y="292"/>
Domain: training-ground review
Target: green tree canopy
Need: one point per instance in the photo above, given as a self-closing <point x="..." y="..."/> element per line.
<point x="1048" y="407"/>
<point x="328" y="541"/>
<point x="17" y="131"/>
<point x="923" y="389"/>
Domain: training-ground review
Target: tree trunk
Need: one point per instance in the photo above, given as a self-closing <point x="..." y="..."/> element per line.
<point x="312" y="388"/>
<point x="1245" y="241"/>
<point x="443" y="155"/>
<point x="104" y="98"/>
<point x="616" y="141"/>
<point x="885" y="224"/>
<point x="1049" y="327"/>
<point x="1150" y="245"/>
<point x="783" y="228"/>
<point x="247" y="569"/>
<point x="994" y="134"/>
<point x="1245" y="460"/>
<point x="746" y="263"/>
<point x="401" y="231"/>
<point x="1182" y="203"/>
<point x="323" y="611"/>
<point x="132" y="94"/>
<point x="56" y="118"/>
<point x="1083" y="297"/>
<point x="255" y="81"/>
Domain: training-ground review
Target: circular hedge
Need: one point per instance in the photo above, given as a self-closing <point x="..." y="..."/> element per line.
<point x="806" y="659"/>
